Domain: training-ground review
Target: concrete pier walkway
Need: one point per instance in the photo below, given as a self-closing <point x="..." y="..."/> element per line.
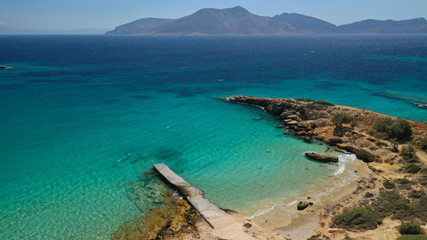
<point x="208" y="210"/>
<point x="223" y="225"/>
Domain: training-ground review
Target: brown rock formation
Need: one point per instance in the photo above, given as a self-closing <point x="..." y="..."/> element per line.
<point x="309" y="119"/>
<point x="322" y="157"/>
<point x="175" y="219"/>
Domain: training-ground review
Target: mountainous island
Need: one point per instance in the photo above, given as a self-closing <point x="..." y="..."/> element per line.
<point x="239" y="21"/>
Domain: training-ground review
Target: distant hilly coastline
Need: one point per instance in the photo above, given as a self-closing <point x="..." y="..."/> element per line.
<point x="239" y="21"/>
<point x="14" y="31"/>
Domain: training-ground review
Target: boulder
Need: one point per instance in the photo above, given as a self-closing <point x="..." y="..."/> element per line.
<point x="286" y="105"/>
<point x="322" y="158"/>
<point x="346" y="147"/>
<point x="292" y="122"/>
<point x="302" y="205"/>
<point x="274" y="108"/>
<point x="334" y="141"/>
<point x="293" y="117"/>
<point x="285" y="114"/>
<point x="362" y="153"/>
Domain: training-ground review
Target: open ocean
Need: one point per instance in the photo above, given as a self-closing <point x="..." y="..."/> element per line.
<point x="84" y="118"/>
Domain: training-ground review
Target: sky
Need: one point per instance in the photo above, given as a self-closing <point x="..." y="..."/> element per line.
<point x="107" y="14"/>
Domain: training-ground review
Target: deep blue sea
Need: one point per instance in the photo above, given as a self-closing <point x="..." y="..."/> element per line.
<point x="84" y="118"/>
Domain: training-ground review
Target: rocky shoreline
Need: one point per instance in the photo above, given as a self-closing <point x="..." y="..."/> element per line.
<point x="395" y="154"/>
<point x="385" y="198"/>
<point x="312" y="120"/>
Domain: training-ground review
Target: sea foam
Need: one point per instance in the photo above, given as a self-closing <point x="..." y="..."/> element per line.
<point x="343" y="160"/>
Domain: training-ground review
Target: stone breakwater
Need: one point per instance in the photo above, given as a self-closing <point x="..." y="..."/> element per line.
<point x="312" y="120"/>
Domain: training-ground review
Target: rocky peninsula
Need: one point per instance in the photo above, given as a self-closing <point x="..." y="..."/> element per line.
<point x="387" y="202"/>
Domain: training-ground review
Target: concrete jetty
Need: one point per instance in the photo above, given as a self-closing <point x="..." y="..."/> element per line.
<point x="223" y="225"/>
<point x="208" y="210"/>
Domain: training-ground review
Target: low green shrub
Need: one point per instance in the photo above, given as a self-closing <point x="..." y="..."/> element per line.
<point x="412" y="168"/>
<point x="388" y="185"/>
<point x="423" y="180"/>
<point x="357" y="218"/>
<point x="305" y="99"/>
<point x="416" y="194"/>
<point x="388" y="128"/>
<point x="375" y="133"/>
<point x="394" y="146"/>
<point x="340" y="118"/>
<point x="400" y="129"/>
<point x="369" y="195"/>
<point x="391" y="203"/>
<point x="383" y="124"/>
<point x="403" y="181"/>
<point x="409" y="153"/>
<point x="411" y="227"/>
<point x="315" y="101"/>
<point x="423" y="144"/>
<point x="315" y="237"/>
<point x="324" y="103"/>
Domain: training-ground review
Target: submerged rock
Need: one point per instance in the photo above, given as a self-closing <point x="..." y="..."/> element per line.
<point x="420" y="105"/>
<point x="322" y="158"/>
<point x="176" y="218"/>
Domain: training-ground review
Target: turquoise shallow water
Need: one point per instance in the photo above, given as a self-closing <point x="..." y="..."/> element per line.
<point x="84" y="118"/>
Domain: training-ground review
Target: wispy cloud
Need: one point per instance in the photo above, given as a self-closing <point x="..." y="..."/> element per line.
<point x="2" y="23"/>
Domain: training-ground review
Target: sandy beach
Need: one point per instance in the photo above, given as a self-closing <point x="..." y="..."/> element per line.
<point x="284" y="218"/>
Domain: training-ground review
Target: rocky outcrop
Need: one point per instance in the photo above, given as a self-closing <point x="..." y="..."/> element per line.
<point x="175" y="218"/>
<point x="362" y="153"/>
<point x="303" y="205"/>
<point x="4" y="67"/>
<point x="322" y="157"/>
<point x="312" y="120"/>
